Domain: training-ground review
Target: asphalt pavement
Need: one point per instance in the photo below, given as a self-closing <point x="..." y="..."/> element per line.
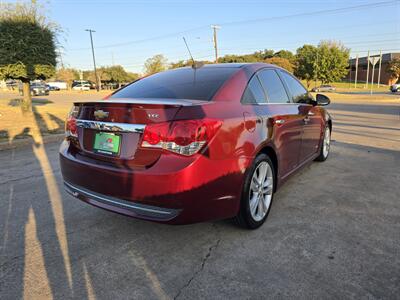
<point x="333" y="231"/>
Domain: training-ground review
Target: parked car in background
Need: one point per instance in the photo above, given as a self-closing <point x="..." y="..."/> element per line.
<point x="83" y="82"/>
<point x="81" y="87"/>
<point x="58" y="85"/>
<point x="395" y="88"/>
<point x="37" y="89"/>
<point x="52" y="87"/>
<point x="324" y="88"/>
<point x="195" y="144"/>
<point x="92" y="85"/>
<point x="12" y="84"/>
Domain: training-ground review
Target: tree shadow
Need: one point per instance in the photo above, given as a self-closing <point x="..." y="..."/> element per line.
<point x="53" y="245"/>
<point x="4" y="135"/>
<point x="17" y="102"/>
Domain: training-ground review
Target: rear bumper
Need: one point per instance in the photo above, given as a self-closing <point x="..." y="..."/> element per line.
<point x="121" y="206"/>
<point x="202" y="190"/>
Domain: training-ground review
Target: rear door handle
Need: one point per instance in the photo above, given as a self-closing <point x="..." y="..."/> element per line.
<point x="279" y="121"/>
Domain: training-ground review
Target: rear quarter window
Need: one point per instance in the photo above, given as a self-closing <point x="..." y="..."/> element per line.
<point x="185" y="83"/>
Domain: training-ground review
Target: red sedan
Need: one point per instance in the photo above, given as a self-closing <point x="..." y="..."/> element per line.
<point x="195" y="144"/>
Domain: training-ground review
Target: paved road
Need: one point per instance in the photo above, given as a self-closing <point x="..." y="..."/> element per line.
<point x="333" y="232"/>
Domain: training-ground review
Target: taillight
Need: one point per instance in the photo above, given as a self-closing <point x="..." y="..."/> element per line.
<point x="183" y="137"/>
<point x="70" y="123"/>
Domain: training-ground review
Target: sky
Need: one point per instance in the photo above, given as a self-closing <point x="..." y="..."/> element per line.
<point x="129" y="32"/>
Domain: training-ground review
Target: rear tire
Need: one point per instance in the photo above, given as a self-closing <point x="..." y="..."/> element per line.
<point x="326" y="145"/>
<point x="257" y="194"/>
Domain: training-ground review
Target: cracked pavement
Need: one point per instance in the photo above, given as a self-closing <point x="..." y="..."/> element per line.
<point x="333" y="231"/>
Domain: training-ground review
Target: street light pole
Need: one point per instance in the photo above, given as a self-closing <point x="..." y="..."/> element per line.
<point x="215" y="27"/>
<point x="366" y="83"/>
<point x="380" y="66"/>
<point x="355" y="79"/>
<point x="94" y="60"/>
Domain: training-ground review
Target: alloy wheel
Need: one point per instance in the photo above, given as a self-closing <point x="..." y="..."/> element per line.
<point x="261" y="189"/>
<point x="327" y="142"/>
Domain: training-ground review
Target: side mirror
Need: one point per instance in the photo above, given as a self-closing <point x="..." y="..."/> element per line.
<point x="322" y="100"/>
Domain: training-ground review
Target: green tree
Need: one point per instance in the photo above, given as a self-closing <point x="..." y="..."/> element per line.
<point x="258" y="56"/>
<point x="232" y="58"/>
<point x="155" y="64"/>
<point x="102" y="74"/>
<point x="333" y="61"/>
<point x="306" y="63"/>
<point x="132" y="76"/>
<point x="117" y="74"/>
<point x="68" y="75"/>
<point x="180" y="64"/>
<point x="27" y="45"/>
<point x="262" y="55"/>
<point x="285" y="54"/>
<point x="393" y="69"/>
<point x="281" y="62"/>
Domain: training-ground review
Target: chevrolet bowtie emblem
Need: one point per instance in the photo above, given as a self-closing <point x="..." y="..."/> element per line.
<point x="101" y="114"/>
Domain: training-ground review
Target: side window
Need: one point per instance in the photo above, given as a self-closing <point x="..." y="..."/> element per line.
<point x="273" y="86"/>
<point x="298" y="92"/>
<point x="254" y="92"/>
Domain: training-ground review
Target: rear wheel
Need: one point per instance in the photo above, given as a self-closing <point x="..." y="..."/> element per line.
<point x="257" y="193"/>
<point x="326" y="145"/>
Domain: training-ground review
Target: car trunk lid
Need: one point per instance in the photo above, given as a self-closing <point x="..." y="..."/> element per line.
<point x="110" y="130"/>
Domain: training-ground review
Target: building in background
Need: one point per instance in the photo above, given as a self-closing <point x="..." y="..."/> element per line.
<point x="362" y="69"/>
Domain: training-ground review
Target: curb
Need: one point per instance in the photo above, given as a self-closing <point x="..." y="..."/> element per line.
<point x="29" y="141"/>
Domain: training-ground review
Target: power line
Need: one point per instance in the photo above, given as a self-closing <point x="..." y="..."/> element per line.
<point x="320" y="12"/>
<point x="108" y="59"/>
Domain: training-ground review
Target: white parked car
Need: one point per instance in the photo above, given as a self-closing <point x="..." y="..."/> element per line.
<point x="81" y="87"/>
<point x="395" y="88"/>
<point x="61" y="85"/>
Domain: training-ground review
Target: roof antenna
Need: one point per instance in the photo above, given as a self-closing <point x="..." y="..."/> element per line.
<point x="195" y="64"/>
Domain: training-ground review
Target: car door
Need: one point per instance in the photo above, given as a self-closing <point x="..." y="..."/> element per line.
<point x="311" y="115"/>
<point x="286" y="119"/>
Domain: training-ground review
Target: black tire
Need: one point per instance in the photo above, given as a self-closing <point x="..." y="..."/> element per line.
<point x="323" y="156"/>
<point x="244" y="218"/>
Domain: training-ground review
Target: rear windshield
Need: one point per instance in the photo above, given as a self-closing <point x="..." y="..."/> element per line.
<point x="186" y="83"/>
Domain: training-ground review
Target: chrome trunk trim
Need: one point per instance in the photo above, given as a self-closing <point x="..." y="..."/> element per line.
<point x="110" y="126"/>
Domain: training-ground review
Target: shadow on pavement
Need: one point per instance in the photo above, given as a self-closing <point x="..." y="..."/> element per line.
<point x="54" y="246"/>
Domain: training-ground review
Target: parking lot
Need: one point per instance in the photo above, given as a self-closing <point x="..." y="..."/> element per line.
<point x="333" y="231"/>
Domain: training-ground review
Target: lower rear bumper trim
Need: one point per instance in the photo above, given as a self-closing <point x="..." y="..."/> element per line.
<point x="139" y="210"/>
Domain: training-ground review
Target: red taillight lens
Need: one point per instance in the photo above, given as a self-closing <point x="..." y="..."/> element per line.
<point x="154" y="134"/>
<point x="70" y="123"/>
<point x="183" y="137"/>
<point x="70" y="127"/>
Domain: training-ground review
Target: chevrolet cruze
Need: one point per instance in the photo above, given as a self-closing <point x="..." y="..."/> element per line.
<point x="195" y="144"/>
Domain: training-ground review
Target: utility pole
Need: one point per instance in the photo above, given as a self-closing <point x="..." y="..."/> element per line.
<point x="372" y="79"/>
<point x="94" y="60"/>
<point x="215" y="27"/>
<point x="112" y="57"/>
<point x="355" y="79"/>
<point x="350" y="68"/>
<point x="380" y="66"/>
<point x="366" y="83"/>
<point x="316" y="72"/>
